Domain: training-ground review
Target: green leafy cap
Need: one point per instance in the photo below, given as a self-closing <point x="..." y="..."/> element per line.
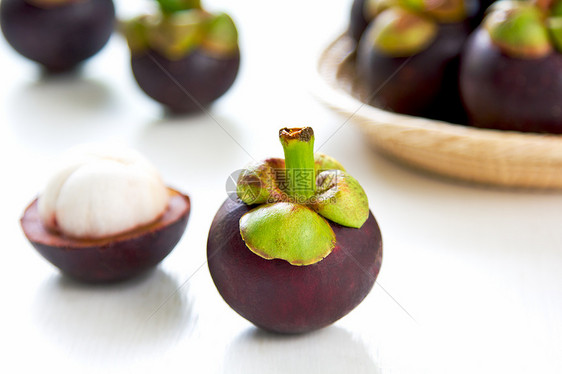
<point x="300" y="193"/>
<point x="289" y="232"/>
<point x="177" y="34"/>
<point x="341" y="199"/>
<point x="518" y="29"/>
<point x="555" y="28"/>
<point x="398" y="32"/>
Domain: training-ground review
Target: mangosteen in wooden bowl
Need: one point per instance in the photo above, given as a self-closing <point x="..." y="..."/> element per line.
<point x="432" y="139"/>
<point x="511" y="72"/>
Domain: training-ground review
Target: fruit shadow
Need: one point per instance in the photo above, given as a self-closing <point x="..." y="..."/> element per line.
<point x="114" y="322"/>
<point x="61" y="110"/>
<point x="330" y="350"/>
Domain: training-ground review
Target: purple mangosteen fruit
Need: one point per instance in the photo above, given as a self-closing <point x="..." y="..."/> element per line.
<point x="510" y="76"/>
<point x="408" y="58"/>
<point x="483" y="6"/>
<point x="299" y="248"/>
<point x="183" y="57"/>
<point x="58" y="34"/>
<point x="358" y="20"/>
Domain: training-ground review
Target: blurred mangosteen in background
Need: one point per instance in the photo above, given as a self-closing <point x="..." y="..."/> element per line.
<point x="408" y="56"/>
<point x="483" y="6"/>
<point x="183" y="56"/>
<point x="58" y="34"/>
<point x="358" y="20"/>
<point x="364" y="11"/>
<point x="511" y="70"/>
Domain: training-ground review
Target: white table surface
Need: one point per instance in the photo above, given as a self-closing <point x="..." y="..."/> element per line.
<point x="471" y="280"/>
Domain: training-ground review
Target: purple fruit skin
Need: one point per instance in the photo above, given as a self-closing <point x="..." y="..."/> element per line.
<point x="115" y="261"/>
<point x="186" y="85"/>
<point x="280" y="297"/>
<point x="61" y="37"/>
<point x="424" y="84"/>
<point x="357" y="21"/>
<point x="501" y="92"/>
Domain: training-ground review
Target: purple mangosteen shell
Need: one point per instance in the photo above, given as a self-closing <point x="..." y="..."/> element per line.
<point x="58" y="37"/>
<point x="424" y="84"/>
<point x="188" y="84"/>
<point x="283" y="298"/>
<point x="508" y="93"/>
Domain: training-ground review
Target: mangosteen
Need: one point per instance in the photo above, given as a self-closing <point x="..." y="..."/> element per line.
<point x="105" y="215"/>
<point x="183" y="57"/>
<point x="511" y="70"/>
<point x="358" y="20"/>
<point x="299" y="248"/>
<point x="58" y="34"/>
<point x="364" y="11"/>
<point x="408" y="59"/>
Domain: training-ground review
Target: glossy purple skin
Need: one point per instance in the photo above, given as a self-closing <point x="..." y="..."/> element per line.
<point x="506" y="93"/>
<point x="483" y="6"/>
<point x="280" y="297"/>
<point x="425" y="84"/>
<point x="106" y="261"/>
<point x="60" y="37"/>
<point x="357" y="21"/>
<point x="186" y="85"/>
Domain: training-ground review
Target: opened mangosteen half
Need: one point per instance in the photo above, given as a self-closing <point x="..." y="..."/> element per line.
<point x="105" y="216"/>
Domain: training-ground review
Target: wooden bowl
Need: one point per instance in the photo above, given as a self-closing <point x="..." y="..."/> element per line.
<point x="503" y="158"/>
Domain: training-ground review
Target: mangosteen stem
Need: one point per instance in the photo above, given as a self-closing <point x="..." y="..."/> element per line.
<point x="298" y="145"/>
<point x="172" y="6"/>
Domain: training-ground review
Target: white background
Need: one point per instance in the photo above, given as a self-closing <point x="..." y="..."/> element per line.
<point x="478" y="269"/>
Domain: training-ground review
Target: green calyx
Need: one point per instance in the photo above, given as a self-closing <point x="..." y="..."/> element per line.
<point x="287" y="231"/>
<point x="257" y="183"/>
<point x="177" y="34"/>
<point x="221" y="35"/>
<point x="556" y="9"/>
<point x="299" y="194"/>
<point x="341" y="199"/>
<point x="445" y="11"/>
<point x="442" y="11"/>
<point x="265" y="181"/>
<point x="518" y="29"/>
<point x="399" y="32"/>
<point x="173" y="6"/>
<point x="554" y="25"/>
<point x="324" y="162"/>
